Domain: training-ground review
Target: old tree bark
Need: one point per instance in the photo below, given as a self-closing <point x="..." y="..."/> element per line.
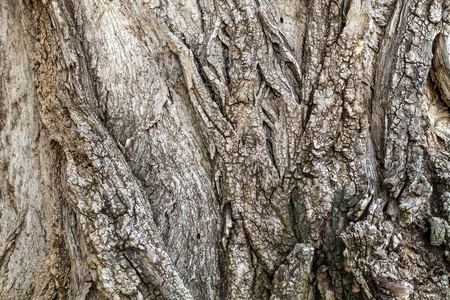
<point x="235" y="149"/>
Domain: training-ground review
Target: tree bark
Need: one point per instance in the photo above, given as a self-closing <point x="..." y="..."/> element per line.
<point x="235" y="149"/>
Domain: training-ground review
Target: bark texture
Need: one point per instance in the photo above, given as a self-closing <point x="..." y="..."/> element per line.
<point x="224" y="149"/>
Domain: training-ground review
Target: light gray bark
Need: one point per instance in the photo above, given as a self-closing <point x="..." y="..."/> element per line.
<point x="235" y="149"/>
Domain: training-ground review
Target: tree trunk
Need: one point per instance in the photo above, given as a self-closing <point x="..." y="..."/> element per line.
<point x="236" y="149"/>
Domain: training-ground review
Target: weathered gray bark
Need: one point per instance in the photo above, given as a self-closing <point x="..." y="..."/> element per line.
<point x="235" y="149"/>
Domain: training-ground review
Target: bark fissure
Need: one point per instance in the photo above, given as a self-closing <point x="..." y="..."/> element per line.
<point x="10" y="239"/>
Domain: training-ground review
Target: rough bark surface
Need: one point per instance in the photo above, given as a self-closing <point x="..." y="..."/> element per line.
<point x="224" y="149"/>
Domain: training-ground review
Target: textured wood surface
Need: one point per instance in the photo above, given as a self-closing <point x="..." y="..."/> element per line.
<point x="235" y="149"/>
